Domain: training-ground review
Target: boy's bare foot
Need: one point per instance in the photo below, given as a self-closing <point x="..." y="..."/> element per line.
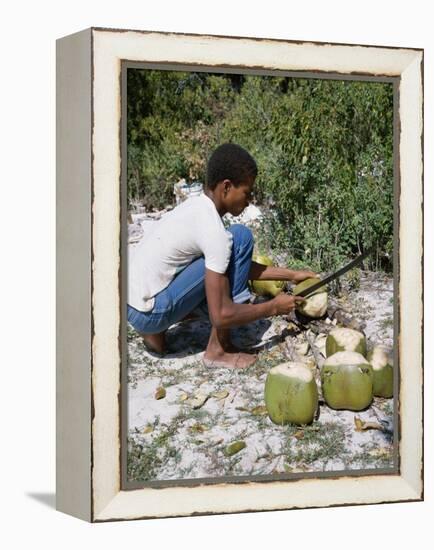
<point x="155" y="342"/>
<point x="220" y="352"/>
<point x="235" y="360"/>
<point x="221" y="341"/>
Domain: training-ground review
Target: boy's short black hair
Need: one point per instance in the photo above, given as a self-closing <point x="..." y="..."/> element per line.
<point x="232" y="162"/>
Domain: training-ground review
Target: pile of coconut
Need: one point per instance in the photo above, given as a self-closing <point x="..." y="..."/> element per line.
<point x="350" y="375"/>
<point x="350" y="378"/>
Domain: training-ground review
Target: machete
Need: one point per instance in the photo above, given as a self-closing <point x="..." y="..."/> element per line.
<point x="336" y="274"/>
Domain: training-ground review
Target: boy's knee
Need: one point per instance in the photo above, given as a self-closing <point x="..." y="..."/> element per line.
<point x="241" y="234"/>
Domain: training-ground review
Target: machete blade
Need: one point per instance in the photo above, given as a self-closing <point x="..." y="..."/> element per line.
<point x="307" y="291"/>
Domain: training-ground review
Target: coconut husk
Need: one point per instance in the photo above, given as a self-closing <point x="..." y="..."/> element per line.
<point x="345" y="319"/>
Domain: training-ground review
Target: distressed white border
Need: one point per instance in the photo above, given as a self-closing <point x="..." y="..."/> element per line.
<point x="110" y="47"/>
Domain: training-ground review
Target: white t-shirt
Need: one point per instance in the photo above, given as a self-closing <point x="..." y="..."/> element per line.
<point x="192" y="229"/>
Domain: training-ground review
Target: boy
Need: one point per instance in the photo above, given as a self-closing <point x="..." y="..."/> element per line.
<point x="189" y="257"/>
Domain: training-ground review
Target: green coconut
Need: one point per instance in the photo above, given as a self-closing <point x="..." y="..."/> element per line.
<point x="291" y="395"/>
<point x="380" y="357"/>
<point x="347" y="381"/>
<point x="345" y="339"/>
<point x="263" y="260"/>
<point x="314" y="306"/>
<point x="266" y="288"/>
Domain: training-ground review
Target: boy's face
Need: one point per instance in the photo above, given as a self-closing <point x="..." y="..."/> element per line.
<point x="236" y="199"/>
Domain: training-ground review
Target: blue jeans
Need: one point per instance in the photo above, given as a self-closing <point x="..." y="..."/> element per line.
<point x="187" y="290"/>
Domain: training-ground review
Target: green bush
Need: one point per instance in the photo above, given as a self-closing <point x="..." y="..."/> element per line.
<point x="324" y="149"/>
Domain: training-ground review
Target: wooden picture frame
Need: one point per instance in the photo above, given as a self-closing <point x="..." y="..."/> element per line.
<point x="89" y="288"/>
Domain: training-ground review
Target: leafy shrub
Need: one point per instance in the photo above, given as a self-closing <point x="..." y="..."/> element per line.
<point x="324" y="149"/>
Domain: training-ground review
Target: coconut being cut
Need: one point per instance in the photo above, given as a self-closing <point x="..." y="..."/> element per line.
<point x="266" y="288"/>
<point x="347" y="381"/>
<point x="291" y="394"/>
<point x="380" y="357"/>
<point x="345" y="339"/>
<point x="314" y="306"/>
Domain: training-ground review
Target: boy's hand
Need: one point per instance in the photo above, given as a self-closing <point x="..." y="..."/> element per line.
<point x="299" y="276"/>
<point x="284" y="303"/>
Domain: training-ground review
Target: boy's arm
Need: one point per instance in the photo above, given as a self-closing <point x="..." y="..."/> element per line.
<point x="224" y="313"/>
<point x="259" y="272"/>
